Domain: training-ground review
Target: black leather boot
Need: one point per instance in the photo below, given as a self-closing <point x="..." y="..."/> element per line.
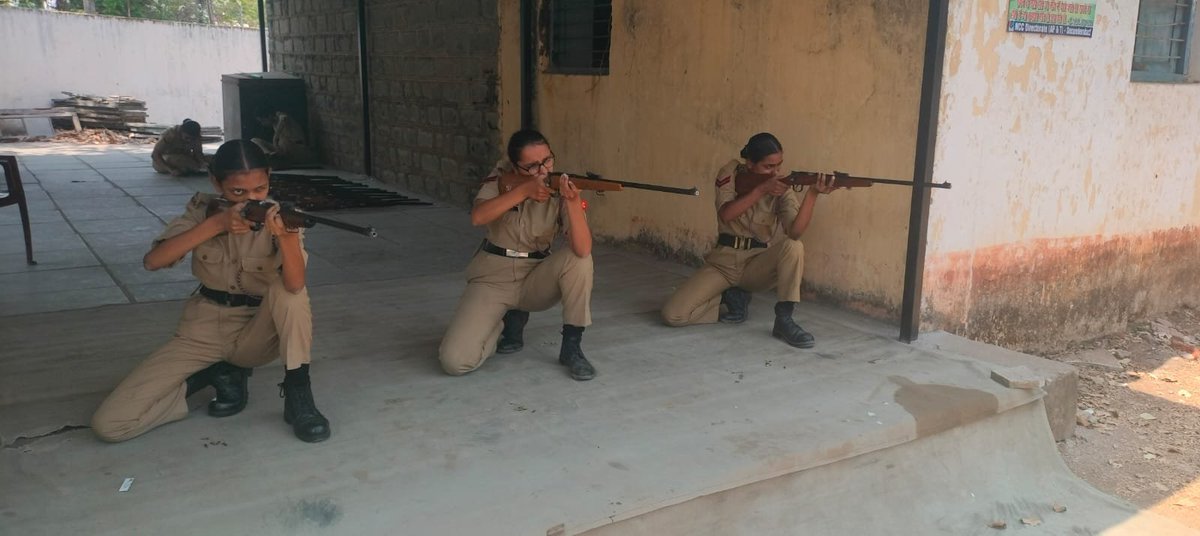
<point x="512" y="338"/>
<point x="197" y="381"/>
<point x="737" y="305"/>
<point x="299" y="410"/>
<point x="787" y="330"/>
<point x="571" y="355"/>
<point x="229" y="381"/>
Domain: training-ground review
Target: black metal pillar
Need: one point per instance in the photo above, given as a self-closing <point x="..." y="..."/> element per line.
<point x="927" y="123"/>
<point x="364" y="83"/>
<point x="262" y="32"/>
<point x="528" y="63"/>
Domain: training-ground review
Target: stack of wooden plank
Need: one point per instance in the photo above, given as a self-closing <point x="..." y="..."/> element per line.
<point x="151" y="130"/>
<point x="113" y="113"/>
<point x="120" y="113"/>
<point x="61" y="117"/>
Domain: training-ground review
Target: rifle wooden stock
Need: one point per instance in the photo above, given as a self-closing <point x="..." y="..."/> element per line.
<point x="592" y="182"/>
<point x="745" y="182"/>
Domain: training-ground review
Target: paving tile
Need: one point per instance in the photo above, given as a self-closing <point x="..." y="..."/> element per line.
<point x="44" y="213"/>
<point x="121" y="164"/>
<point x="55" y="280"/>
<point x="136" y="274"/>
<point x="167" y="207"/>
<point x="122" y="254"/>
<point x="112" y="158"/>
<point x="121" y="176"/>
<point x="159" y="190"/>
<point x="113" y="198"/>
<point x="120" y="238"/>
<point x="79" y="183"/>
<point x="100" y="196"/>
<point x="43" y="302"/>
<point x="34" y="193"/>
<point x="79" y="214"/>
<point x="46" y="237"/>
<point x="178" y="290"/>
<point x="47" y="260"/>
<point x="321" y="271"/>
<point x="36" y="164"/>
<point x="136" y="224"/>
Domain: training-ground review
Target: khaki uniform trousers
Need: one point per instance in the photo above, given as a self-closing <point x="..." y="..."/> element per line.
<point x="497" y="284"/>
<point x="182" y="162"/>
<point x="698" y="300"/>
<point x="153" y="394"/>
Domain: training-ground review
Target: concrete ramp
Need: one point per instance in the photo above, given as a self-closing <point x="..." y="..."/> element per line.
<point x="959" y="482"/>
<point x="709" y="430"/>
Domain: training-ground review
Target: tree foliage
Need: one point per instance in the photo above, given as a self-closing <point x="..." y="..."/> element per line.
<point x="222" y="12"/>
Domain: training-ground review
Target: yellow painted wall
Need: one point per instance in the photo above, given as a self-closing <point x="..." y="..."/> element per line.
<point x="690" y="80"/>
<point x="1076" y="193"/>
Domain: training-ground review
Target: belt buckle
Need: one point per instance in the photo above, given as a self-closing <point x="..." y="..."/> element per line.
<point x="741" y="242"/>
<point x="515" y="254"/>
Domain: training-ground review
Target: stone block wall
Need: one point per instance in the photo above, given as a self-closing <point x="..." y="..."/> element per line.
<point x="433" y="86"/>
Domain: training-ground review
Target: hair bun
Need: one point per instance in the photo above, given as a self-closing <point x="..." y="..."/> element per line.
<point x="745" y="152"/>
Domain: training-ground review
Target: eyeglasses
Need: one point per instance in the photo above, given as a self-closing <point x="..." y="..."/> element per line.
<point x="531" y="168"/>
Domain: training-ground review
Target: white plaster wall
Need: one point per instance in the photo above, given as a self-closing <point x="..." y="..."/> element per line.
<point x="176" y="68"/>
<point x="1046" y="137"/>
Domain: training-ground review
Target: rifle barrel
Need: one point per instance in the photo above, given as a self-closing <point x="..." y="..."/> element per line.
<point x="945" y="185"/>
<point x="642" y="186"/>
<point x="365" y="231"/>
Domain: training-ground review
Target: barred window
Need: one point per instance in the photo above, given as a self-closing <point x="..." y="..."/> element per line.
<point x="1161" y="47"/>
<point x="580" y="34"/>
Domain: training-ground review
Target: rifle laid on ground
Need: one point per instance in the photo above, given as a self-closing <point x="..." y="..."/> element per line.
<point x="593" y="182"/>
<point x="293" y="218"/>
<point x="745" y="182"/>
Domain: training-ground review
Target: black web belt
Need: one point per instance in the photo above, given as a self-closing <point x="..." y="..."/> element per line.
<point x="505" y="252"/>
<point x="739" y="242"/>
<point x="230" y="300"/>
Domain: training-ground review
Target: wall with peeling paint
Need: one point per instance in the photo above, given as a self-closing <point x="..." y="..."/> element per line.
<point x="837" y="81"/>
<point x="1076" y="193"/>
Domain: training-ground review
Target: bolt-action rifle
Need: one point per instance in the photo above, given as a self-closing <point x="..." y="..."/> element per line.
<point x="745" y="182"/>
<point x="593" y="182"/>
<point x="293" y="218"/>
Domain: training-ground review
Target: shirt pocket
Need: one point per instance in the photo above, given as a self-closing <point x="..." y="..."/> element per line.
<point x="260" y="265"/>
<point x="210" y="266"/>
<point x="209" y="255"/>
<point x="763" y="217"/>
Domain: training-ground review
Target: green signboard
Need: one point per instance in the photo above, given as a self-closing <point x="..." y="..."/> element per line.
<point x="1070" y="17"/>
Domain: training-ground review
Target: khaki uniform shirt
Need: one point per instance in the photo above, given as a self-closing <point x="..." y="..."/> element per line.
<point x="763" y="219"/>
<point x="528" y="227"/>
<point x="171" y="142"/>
<point x="238" y="264"/>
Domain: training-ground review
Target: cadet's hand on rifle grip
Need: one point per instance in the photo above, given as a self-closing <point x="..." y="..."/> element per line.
<point x="774" y="186"/>
<point x="567" y="189"/>
<point x="275" y="222"/>
<point x="536" y="189"/>
<point x="232" y="220"/>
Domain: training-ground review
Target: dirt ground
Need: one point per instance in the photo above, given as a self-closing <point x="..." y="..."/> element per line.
<point x="1139" y="415"/>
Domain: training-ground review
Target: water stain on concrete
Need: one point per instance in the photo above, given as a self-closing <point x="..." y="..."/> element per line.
<point x="937" y="408"/>
<point x="618" y="465"/>
<point x="321" y="513"/>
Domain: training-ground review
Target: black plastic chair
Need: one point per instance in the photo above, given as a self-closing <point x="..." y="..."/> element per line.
<point x="16" y="196"/>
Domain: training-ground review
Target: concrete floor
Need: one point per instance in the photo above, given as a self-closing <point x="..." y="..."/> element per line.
<point x="719" y="419"/>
